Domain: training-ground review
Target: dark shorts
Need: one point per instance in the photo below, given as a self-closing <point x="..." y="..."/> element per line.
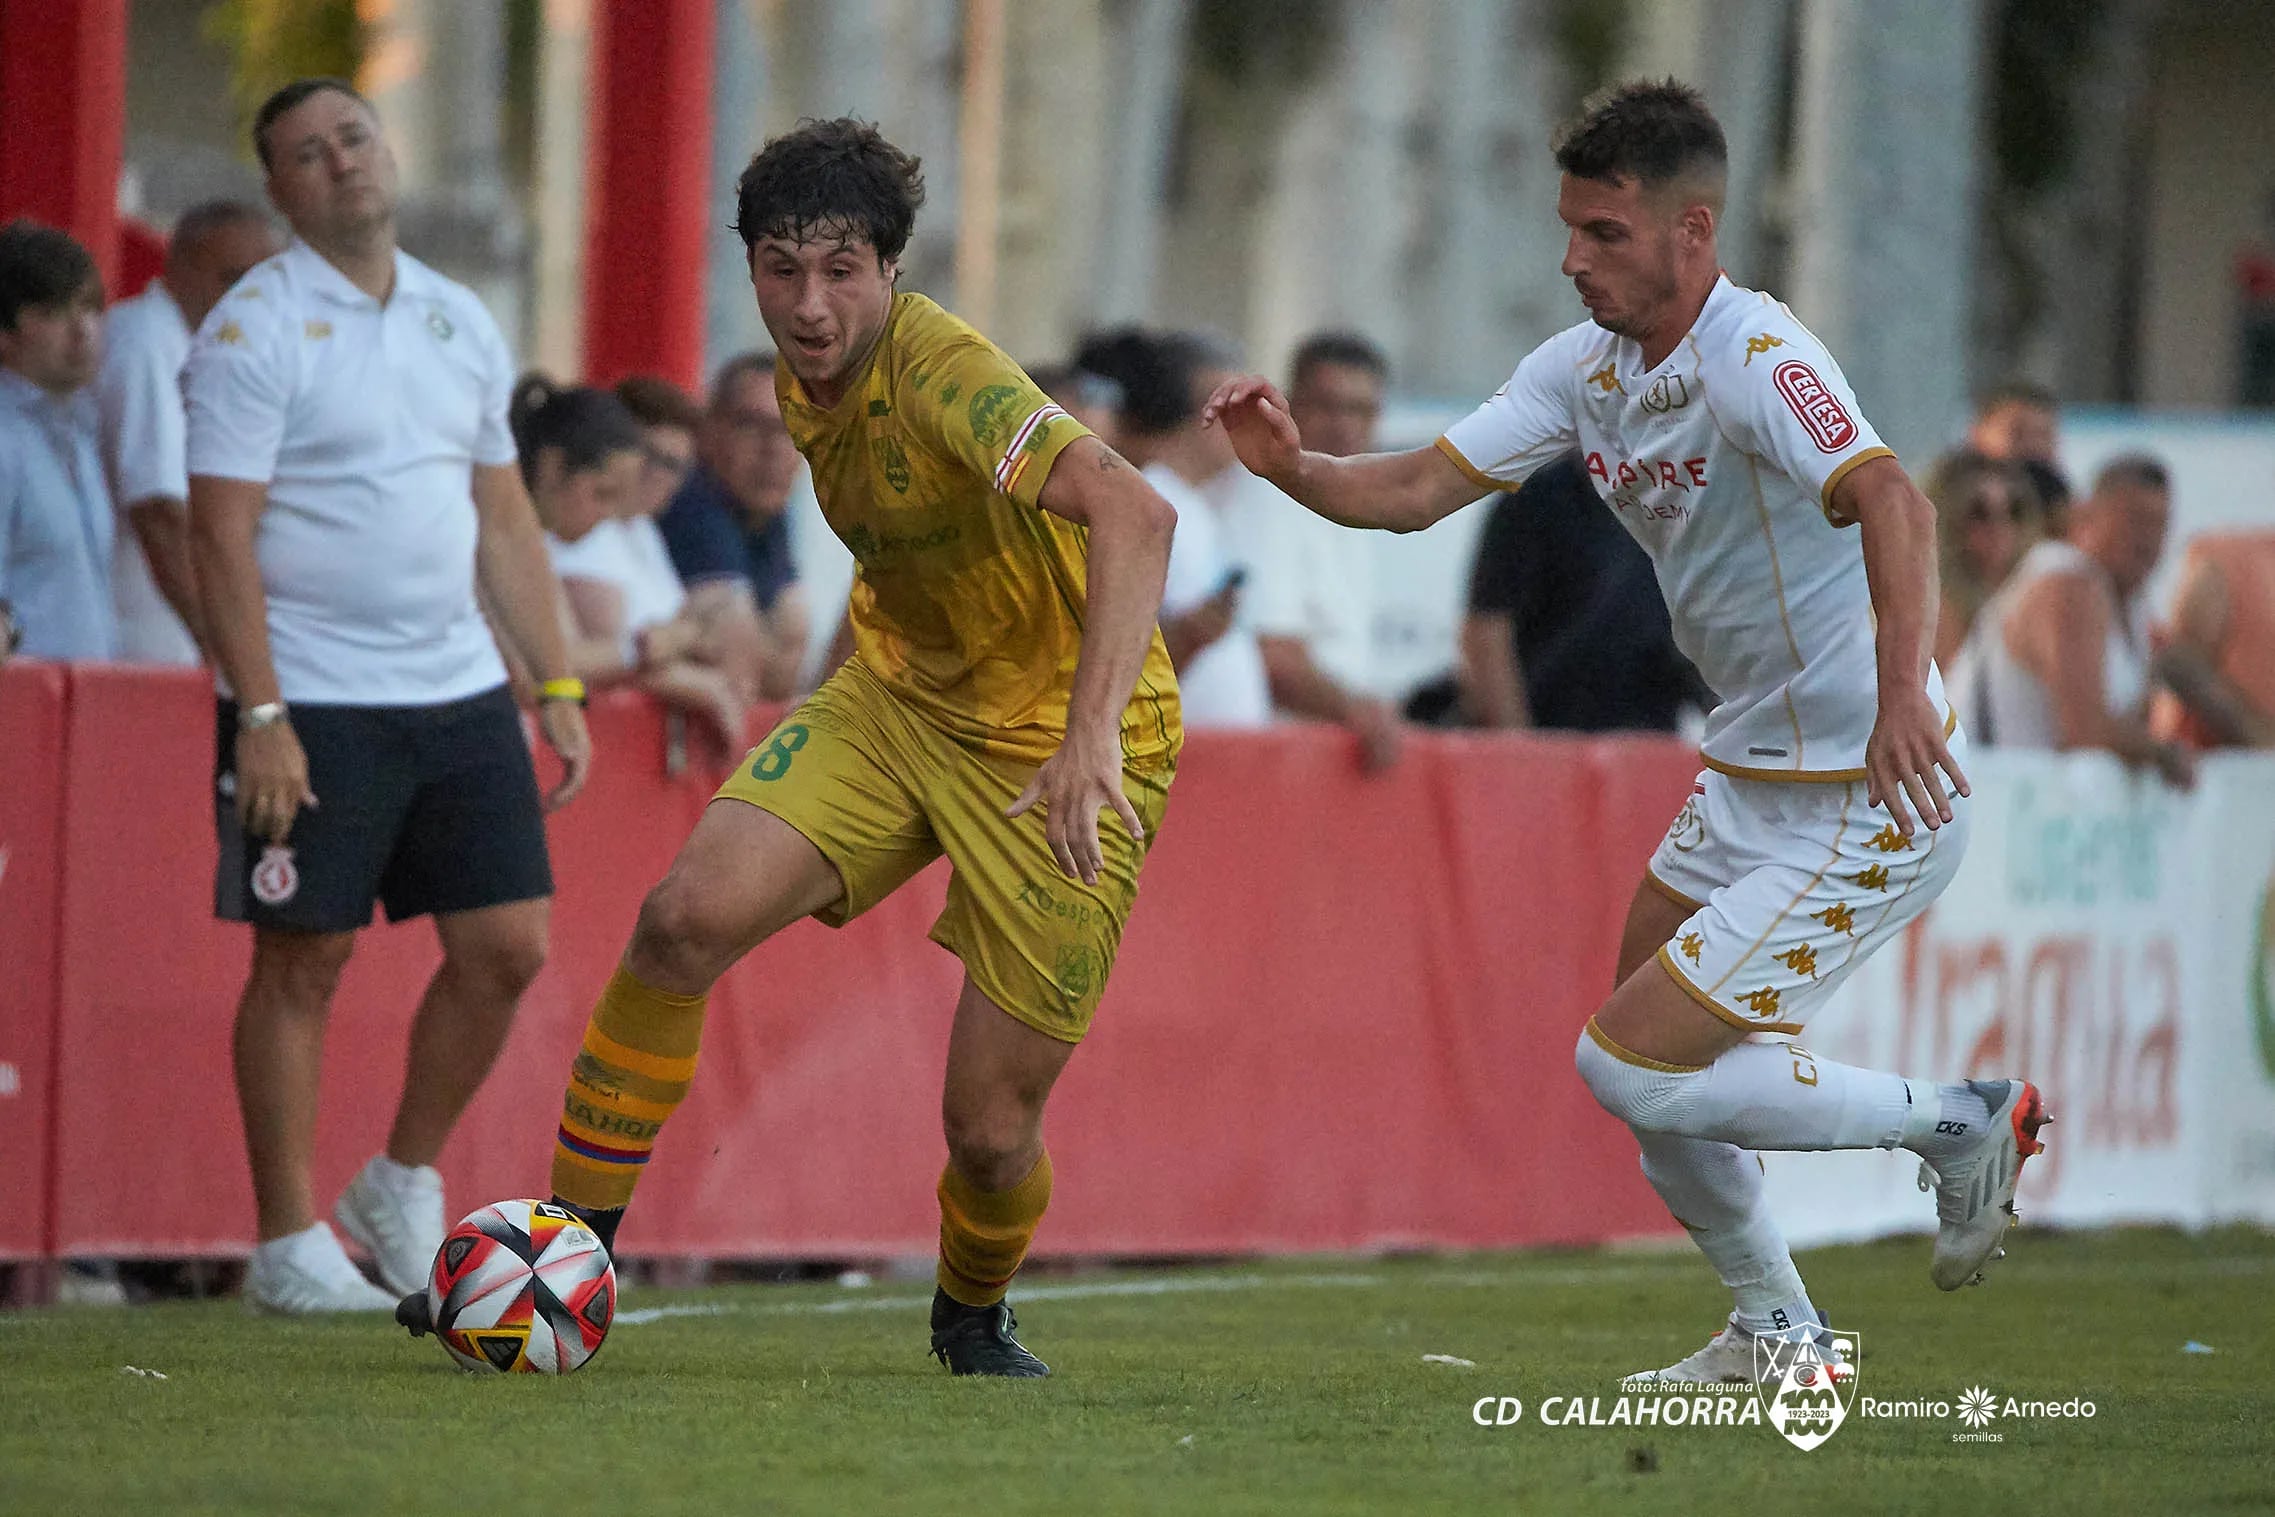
<point x="424" y="809"/>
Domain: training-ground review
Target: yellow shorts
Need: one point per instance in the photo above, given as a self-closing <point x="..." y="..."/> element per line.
<point x="882" y="793"/>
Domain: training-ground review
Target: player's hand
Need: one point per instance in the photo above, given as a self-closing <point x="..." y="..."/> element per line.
<point x="1074" y="784"/>
<point x="563" y="723"/>
<point x="1257" y="423"/>
<point x="1380" y="733"/>
<point x="1901" y="760"/>
<point x="272" y="780"/>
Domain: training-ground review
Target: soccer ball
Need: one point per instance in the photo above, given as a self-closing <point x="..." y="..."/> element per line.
<point x="522" y="1287"/>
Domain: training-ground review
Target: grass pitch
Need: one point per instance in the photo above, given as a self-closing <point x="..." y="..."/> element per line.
<point x="1291" y="1387"/>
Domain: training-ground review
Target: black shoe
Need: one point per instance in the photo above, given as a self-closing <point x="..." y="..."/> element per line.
<point x="976" y="1340"/>
<point x="415" y="1313"/>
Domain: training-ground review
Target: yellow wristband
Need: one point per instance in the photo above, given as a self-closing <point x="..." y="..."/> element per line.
<point x="568" y="688"/>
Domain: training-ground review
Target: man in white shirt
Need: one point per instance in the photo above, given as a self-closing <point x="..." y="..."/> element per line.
<point x="146" y="340"/>
<point x="1797" y="561"/>
<point x="1221" y="680"/>
<point x="351" y="478"/>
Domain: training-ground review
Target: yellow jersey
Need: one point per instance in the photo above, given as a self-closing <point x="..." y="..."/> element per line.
<point x="968" y="599"/>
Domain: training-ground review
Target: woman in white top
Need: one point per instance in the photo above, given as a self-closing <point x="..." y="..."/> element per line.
<point x="2059" y="658"/>
<point x="585" y="458"/>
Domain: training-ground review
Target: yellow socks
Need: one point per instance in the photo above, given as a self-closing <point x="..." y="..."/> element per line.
<point x="984" y="1234"/>
<point x="638" y="1057"/>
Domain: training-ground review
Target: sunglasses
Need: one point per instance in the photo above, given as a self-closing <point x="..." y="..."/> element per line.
<point x="1983" y="510"/>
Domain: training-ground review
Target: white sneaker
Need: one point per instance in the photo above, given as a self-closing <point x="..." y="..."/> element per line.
<point x="308" y="1272"/>
<point x="1730" y="1358"/>
<point x="1974" y="1191"/>
<point x="395" y="1212"/>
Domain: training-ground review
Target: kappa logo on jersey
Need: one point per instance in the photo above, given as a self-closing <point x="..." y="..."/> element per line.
<point x="1606" y="379"/>
<point x="1806" y="1384"/>
<point x="1756" y="346"/>
<point x="276" y="879"/>
<point x="1667" y="393"/>
<point x="1829" y="425"/>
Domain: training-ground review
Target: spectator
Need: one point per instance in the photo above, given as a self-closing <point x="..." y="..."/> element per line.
<point x="55" y="511"/>
<point x="2051" y="488"/>
<point x="1312" y="591"/>
<point x="1092" y="399"/>
<point x="726" y="528"/>
<point x="146" y="340"/>
<point x="1164" y="378"/>
<point x="2016" y="422"/>
<point x="352" y="481"/>
<point x="2059" y="658"/>
<point x="1986" y="518"/>
<point x="2220" y="662"/>
<point x="587" y="461"/>
<point x="1566" y="626"/>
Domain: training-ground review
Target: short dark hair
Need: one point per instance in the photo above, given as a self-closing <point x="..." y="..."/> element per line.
<point x="1346" y="348"/>
<point x="2142" y="471"/>
<point x="292" y="95"/>
<point x="758" y="364"/>
<point x="837" y="178"/>
<point x="1072" y="384"/>
<point x="1156" y="371"/>
<point x="588" y="425"/>
<point x="1650" y="130"/>
<point x="207" y="217"/>
<point x="656" y="402"/>
<point x="2007" y="392"/>
<point x="40" y="266"/>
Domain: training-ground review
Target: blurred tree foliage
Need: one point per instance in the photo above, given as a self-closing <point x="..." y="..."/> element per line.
<point x="1590" y="38"/>
<point x="274" y="42"/>
<point x="2038" y="48"/>
<point x="1284" y="42"/>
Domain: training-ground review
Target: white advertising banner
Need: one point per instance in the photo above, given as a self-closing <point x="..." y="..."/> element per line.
<point x="2109" y="939"/>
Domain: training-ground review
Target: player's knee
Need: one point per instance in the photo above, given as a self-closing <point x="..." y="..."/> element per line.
<point x="679" y="936"/>
<point x="991" y="1144"/>
<point x="1649" y="1100"/>
<point x="505" y="965"/>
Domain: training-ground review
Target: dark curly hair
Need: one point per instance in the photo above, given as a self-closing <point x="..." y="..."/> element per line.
<point x="837" y="178"/>
<point x="1651" y="130"/>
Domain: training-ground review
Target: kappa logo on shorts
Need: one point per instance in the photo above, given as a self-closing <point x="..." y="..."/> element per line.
<point x="276" y="879"/>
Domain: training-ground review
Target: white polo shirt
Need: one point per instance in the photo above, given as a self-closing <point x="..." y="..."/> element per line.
<point x="1722" y="463"/>
<point x="139" y="397"/>
<point x="365" y="422"/>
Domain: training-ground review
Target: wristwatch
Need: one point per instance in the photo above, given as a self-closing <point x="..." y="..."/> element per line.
<point x="266" y="714"/>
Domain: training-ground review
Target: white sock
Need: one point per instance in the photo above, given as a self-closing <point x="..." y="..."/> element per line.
<point x="1961" y="1115"/>
<point x="1773" y="1096"/>
<point x="1715" y="1191"/>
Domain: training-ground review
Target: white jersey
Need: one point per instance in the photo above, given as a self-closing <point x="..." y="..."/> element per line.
<point x="139" y="396"/>
<point x="1722" y="462"/>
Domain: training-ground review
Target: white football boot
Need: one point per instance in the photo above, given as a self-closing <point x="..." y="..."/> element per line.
<point x="308" y="1272"/>
<point x="1730" y="1358"/>
<point x="1974" y="1191"/>
<point x="395" y="1212"/>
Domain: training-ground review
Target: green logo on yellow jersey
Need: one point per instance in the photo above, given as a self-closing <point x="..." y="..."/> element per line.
<point x="894" y="462"/>
<point x="949" y="392"/>
<point x="991" y="413"/>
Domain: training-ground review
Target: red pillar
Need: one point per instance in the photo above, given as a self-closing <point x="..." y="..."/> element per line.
<point x="63" y="117"/>
<point x="648" y="211"/>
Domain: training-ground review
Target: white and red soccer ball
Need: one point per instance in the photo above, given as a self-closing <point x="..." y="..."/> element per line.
<point x="522" y="1287"/>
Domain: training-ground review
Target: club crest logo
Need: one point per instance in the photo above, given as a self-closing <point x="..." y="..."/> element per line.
<point x="276" y="879"/>
<point x="1806" y="1383"/>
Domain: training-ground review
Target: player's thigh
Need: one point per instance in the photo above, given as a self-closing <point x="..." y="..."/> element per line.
<point x="1653" y="916"/>
<point x="834" y="773"/>
<point x="1763" y="954"/>
<point x="1037" y="942"/>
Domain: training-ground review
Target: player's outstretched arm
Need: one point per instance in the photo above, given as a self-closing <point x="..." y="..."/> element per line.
<point x="1130" y="527"/>
<point x="1908" y="747"/>
<point x="1398" y="492"/>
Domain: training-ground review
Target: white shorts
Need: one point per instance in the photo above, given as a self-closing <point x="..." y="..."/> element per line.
<point x="1790" y="885"/>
